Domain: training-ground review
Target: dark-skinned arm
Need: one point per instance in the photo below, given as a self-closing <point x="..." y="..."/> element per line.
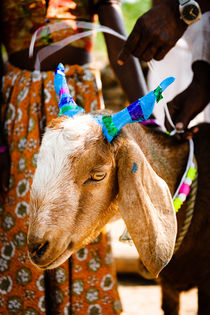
<point x="185" y="106"/>
<point x="129" y="75"/>
<point x="4" y="152"/>
<point x="157" y="31"/>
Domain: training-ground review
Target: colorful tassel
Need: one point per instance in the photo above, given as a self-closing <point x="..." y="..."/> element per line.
<point x="185" y="188"/>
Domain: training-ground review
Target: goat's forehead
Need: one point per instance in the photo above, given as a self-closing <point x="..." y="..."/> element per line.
<point x="79" y="124"/>
<point x="66" y="138"/>
<point x="71" y="134"/>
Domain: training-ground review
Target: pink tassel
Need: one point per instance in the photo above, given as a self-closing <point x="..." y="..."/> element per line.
<point x="184" y="189"/>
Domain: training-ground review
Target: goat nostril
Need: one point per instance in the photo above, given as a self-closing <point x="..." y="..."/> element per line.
<point x="38" y="249"/>
<point x="70" y="245"/>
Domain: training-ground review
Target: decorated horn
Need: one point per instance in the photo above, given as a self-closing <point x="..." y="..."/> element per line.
<point x="67" y="105"/>
<point x="136" y="112"/>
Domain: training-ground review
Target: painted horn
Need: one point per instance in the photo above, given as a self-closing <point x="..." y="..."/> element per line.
<point x="138" y="111"/>
<point x="67" y="105"/>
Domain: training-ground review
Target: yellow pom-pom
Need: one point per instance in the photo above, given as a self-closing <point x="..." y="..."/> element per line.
<point x="177" y="204"/>
<point x="191" y="173"/>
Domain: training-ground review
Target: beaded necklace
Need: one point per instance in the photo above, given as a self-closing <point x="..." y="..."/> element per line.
<point x="183" y="189"/>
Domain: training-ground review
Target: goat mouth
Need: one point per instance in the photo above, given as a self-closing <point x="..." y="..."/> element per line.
<point x="60" y="259"/>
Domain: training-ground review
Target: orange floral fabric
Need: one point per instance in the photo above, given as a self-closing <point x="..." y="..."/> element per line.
<point x="85" y="284"/>
<point x="27" y="16"/>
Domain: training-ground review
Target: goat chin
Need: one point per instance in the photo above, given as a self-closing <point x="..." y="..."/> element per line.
<point x="58" y="261"/>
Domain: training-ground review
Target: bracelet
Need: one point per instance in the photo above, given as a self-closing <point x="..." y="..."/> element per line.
<point x="3" y="148"/>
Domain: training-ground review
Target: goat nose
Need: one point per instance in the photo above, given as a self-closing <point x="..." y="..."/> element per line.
<point x="38" y="249"/>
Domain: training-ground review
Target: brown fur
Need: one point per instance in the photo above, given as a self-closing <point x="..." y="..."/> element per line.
<point x="190" y="266"/>
<point x="56" y="123"/>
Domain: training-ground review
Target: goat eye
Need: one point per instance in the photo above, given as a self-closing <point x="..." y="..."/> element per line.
<point x="98" y="176"/>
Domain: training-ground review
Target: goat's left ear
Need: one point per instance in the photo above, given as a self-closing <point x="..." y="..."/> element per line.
<point x="146" y="206"/>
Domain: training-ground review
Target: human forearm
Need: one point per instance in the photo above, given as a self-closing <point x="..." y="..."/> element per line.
<point x="158" y="30"/>
<point x="201" y="75"/>
<point x="130" y="75"/>
<point x="4" y="153"/>
<point x="131" y="78"/>
<point x="204" y="4"/>
<point x="186" y="105"/>
<point x="1" y="100"/>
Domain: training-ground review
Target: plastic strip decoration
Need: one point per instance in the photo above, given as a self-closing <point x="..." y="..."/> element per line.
<point x="138" y="111"/>
<point x="67" y="105"/>
<point x="111" y="124"/>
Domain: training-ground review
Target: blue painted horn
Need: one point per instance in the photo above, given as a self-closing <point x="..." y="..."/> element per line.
<point x="67" y="105"/>
<point x="138" y="111"/>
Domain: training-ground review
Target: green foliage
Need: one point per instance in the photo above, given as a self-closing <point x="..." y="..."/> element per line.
<point x="131" y="12"/>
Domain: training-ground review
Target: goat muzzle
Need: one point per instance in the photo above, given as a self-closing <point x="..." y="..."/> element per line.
<point x="37" y="250"/>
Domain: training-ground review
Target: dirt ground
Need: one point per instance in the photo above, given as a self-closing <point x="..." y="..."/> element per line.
<point x="140" y="296"/>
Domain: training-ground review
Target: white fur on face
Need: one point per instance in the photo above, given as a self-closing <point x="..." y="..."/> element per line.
<point x="57" y="146"/>
<point x="65" y="205"/>
<point x="52" y="179"/>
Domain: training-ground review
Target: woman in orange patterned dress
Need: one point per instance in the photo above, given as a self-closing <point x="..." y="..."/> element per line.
<point x="86" y="283"/>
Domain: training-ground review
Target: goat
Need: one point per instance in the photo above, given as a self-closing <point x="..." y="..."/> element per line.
<point x="82" y="181"/>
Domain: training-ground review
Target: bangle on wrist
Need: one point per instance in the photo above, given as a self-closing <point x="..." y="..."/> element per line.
<point x="3" y="148"/>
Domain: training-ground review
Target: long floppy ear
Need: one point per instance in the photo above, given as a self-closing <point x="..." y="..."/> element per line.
<point x="146" y="206"/>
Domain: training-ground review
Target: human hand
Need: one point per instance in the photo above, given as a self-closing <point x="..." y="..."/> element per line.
<point x="185" y="106"/>
<point x="4" y="171"/>
<point x="154" y="33"/>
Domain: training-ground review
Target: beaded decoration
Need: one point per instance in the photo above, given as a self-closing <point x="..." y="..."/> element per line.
<point x="184" y="187"/>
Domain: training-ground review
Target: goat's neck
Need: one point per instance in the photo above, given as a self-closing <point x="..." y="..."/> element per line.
<point x="167" y="156"/>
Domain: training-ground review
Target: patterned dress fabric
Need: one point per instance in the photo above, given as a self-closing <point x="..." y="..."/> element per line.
<point x="86" y="284"/>
<point x="27" y="16"/>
